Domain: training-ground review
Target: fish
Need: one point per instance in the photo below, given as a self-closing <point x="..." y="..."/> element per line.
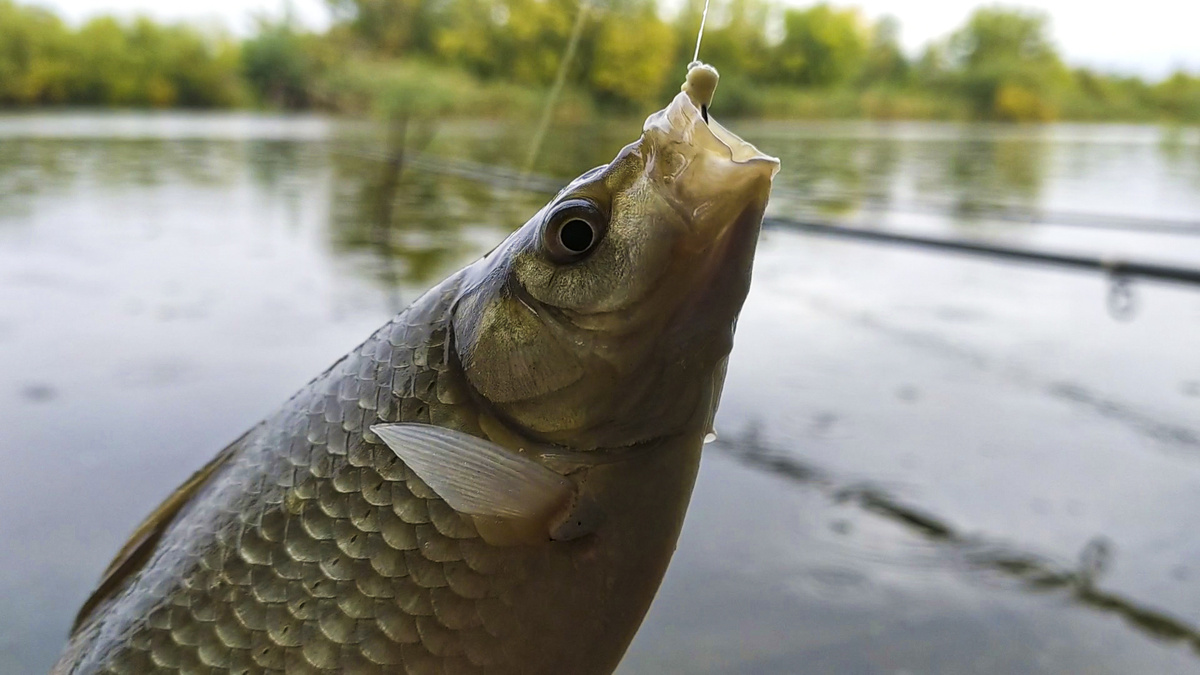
<point x="495" y="480"/>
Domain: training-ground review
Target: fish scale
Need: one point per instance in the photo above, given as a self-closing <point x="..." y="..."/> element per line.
<point x="316" y="549"/>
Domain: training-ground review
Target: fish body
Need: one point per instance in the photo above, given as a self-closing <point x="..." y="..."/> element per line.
<point x="389" y="519"/>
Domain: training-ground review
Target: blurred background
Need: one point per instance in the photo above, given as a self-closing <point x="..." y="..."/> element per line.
<point x="961" y="428"/>
<point x="778" y="59"/>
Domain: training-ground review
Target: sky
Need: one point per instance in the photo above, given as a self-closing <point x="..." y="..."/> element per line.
<point x="1150" y="37"/>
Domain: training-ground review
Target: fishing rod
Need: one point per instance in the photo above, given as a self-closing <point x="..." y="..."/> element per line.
<point x="1121" y="270"/>
<point x="999" y="211"/>
<point x="505" y="177"/>
<point x="1114" y="267"/>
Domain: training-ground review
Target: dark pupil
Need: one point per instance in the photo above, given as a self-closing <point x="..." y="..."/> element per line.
<point x="576" y="236"/>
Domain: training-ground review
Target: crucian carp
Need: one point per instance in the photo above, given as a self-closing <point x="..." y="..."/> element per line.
<point x="494" y="482"/>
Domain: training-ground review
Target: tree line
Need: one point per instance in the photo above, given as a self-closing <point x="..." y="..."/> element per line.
<point x="499" y="56"/>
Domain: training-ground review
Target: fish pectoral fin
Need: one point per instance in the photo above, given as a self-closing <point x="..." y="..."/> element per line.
<point x="513" y="499"/>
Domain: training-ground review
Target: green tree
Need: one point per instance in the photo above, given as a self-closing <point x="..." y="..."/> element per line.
<point x="1006" y="65"/>
<point x="472" y="35"/>
<point x="34" y="56"/>
<point x="633" y="56"/>
<point x="1179" y="96"/>
<point x="278" y="63"/>
<point x="885" y="61"/>
<point x="105" y="73"/>
<point x="535" y="37"/>
<point x="391" y="27"/>
<point x="515" y="40"/>
<point x="108" y="62"/>
<point x="425" y="58"/>
<point x="736" y="39"/>
<point x="822" y="46"/>
<point x="932" y="67"/>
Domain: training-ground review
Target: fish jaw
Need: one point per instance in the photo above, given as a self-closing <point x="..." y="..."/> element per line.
<point x="720" y="183"/>
<point x="709" y="173"/>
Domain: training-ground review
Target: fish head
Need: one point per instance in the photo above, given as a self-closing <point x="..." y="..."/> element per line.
<point x="605" y="320"/>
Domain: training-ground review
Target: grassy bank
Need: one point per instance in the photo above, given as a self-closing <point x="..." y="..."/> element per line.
<point x="498" y="58"/>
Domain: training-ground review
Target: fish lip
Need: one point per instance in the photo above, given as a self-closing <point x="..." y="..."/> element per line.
<point x="682" y="122"/>
<point x="708" y="172"/>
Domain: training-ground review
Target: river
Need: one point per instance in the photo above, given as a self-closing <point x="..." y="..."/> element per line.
<point x="926" y="463"/>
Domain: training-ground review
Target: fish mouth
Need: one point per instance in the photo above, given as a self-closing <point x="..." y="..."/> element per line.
<point x="720" y="183"/>
<point x="711" y="174"/>
<point x="684" y="125"/>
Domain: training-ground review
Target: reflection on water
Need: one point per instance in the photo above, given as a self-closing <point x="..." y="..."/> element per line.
<point x="927" y="463"/>
<point x="1033" y="573"/>
<point x="1006" y="171"/>
<point x="416" y="225"/>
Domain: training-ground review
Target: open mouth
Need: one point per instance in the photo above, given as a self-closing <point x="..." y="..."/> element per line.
<point x="685" y="121"/>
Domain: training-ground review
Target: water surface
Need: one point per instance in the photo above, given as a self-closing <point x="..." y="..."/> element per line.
<point x="927" y="463"/>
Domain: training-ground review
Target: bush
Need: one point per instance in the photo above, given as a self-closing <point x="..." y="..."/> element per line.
<point x="495" y="58"/>
<point x="279" y="65"/>
<point x="106" y="62"/>
<point x="420" y="90"/>
<point x="1005" y="66"/>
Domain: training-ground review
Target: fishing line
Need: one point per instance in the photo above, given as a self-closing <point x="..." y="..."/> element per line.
<point x="700" y="33"/>
<point x="560" y="78"/>
<point x="696" y="56"/>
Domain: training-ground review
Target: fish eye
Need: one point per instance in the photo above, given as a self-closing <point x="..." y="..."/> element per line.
<point x="576" y="235"/>
<point x="573" y="229"/>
